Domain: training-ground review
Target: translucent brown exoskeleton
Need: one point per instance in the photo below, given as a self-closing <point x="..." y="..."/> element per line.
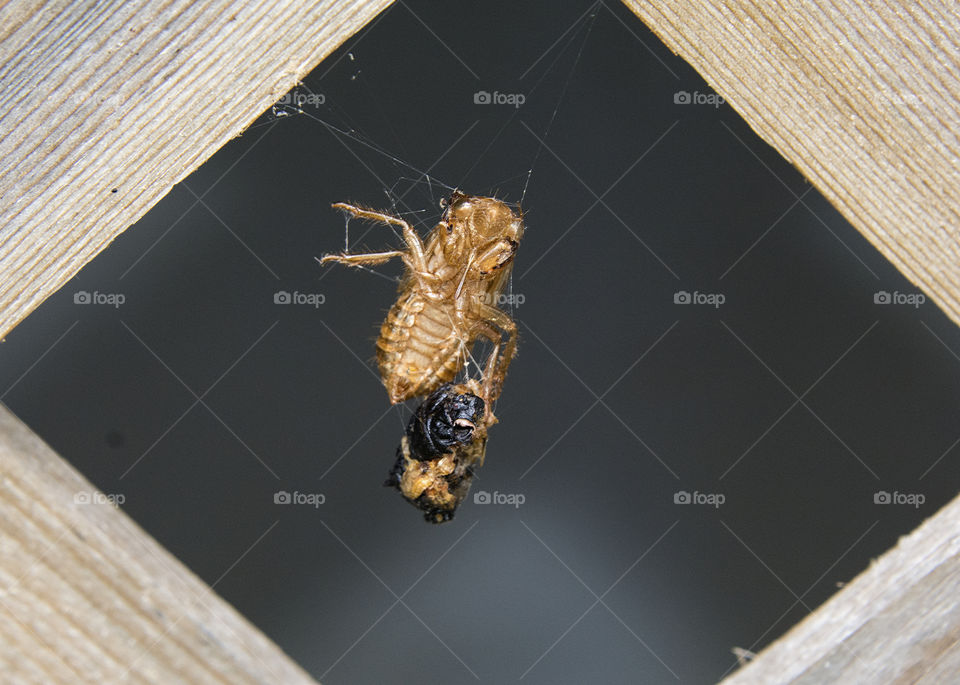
<point x="447" y="297"/>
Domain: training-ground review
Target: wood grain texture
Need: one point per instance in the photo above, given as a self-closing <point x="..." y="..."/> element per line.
<point x="897" y="622"/>
<point x="862" y="97"/>
<point x="87" y="596"/>
<point x="130" y="95"/>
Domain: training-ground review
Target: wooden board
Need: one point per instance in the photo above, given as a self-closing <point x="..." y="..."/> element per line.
<point x="864" y="99"/>
<point x="87" y="596"/>
<point x="104" y="106"/>
<point x="897" y="622"/>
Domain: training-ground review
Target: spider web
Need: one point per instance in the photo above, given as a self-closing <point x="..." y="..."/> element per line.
<point x="406" y="186"/>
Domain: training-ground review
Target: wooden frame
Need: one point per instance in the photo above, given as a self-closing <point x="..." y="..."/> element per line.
<point x="104" y="107"/>
<point x="864" y="99"/>
<point x="126" y="98"/>
<point x="88" y="596"/>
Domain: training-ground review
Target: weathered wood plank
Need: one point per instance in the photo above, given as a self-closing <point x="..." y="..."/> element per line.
<point x="897" y="622"/>
<point x="863" y="98"/>
<point x="87" y="596"/>
<point x="103" y="107"/>
<point x="130" y="96"/>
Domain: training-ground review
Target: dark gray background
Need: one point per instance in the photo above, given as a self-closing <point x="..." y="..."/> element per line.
<point x="796" y="400"/>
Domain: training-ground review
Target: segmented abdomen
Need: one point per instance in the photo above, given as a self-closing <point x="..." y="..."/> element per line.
<point x="418" y="349"/>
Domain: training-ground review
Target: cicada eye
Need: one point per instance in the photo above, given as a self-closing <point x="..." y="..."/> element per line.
<point x="459" y="202"/>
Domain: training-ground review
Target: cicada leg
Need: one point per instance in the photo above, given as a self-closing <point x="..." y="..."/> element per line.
<point x="362" y="259"/>
<point x="498" y="362"/>
<point x="414" y="244"/>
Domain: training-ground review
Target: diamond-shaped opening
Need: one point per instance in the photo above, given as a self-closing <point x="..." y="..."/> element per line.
<point x="695" y="238"/>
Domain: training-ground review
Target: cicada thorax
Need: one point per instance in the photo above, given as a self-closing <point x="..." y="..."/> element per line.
<point x="429" y="331"/>
<point x="448" y="295"/>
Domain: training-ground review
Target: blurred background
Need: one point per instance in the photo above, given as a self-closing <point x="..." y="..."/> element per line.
<point x="725" y="404"/>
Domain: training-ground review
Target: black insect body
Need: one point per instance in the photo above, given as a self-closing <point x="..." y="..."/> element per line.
<point x="445" y="439"/>
<point x="444" y="421"/>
